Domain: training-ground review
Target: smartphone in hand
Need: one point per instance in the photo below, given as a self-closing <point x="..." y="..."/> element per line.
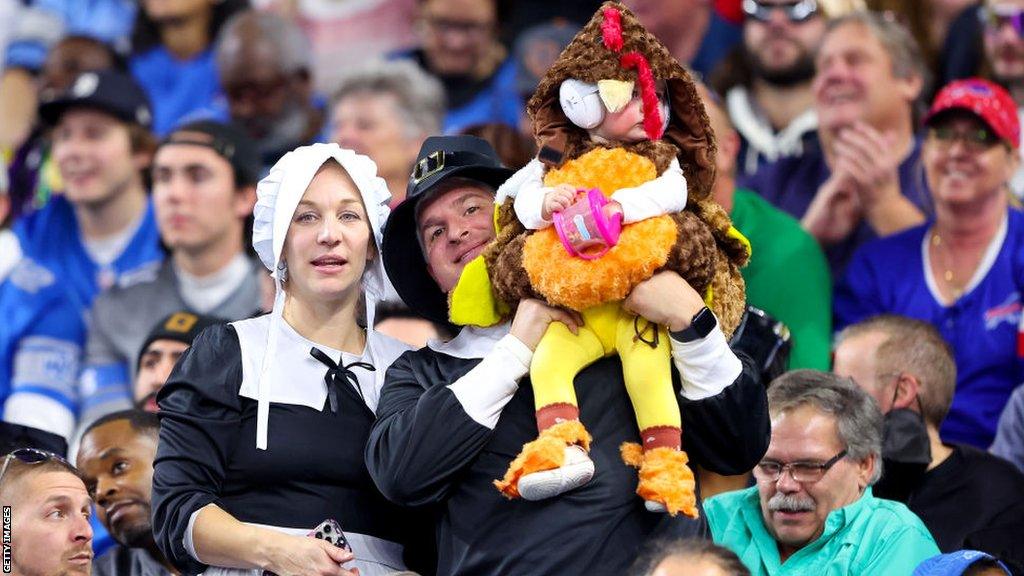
<point x="330" y="531"/>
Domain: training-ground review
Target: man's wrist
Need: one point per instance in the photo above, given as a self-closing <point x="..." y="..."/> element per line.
<point x="698" y="326"/>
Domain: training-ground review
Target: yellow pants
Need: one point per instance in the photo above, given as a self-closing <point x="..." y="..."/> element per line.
<point x="608" y="329"/>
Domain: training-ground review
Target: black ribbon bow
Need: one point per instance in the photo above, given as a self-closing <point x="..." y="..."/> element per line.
<point x="336" y="376"/>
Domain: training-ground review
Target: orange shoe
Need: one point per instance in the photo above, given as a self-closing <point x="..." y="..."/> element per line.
<point x="666" y="482"/>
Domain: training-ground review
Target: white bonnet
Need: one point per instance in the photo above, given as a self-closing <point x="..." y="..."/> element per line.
<point x="279" y="193"/>
<point x="277" y="197"/>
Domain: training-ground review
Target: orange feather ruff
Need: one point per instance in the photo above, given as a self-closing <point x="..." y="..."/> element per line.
<point x="643" y="246"/>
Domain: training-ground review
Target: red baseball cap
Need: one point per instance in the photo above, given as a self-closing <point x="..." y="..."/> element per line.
<point x="988" y="101"/>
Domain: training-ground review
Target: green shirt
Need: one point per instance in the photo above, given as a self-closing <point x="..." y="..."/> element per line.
<point x="871" y="536"/>
<point x="787" y="277"/>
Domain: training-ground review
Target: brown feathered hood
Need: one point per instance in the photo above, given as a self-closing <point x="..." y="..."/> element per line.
<point x="591" y="57"/>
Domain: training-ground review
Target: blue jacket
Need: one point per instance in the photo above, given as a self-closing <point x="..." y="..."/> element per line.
<point x="44" y="303"/>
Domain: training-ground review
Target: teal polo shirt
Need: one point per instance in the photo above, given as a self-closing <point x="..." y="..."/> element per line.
<point x="870" y="536"/>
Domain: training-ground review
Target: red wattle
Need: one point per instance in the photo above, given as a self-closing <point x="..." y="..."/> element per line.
<point x="648" y="92"/>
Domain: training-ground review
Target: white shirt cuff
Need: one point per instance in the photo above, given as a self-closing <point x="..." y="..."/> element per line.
<point x="487" y="388"/>
<point x="706" y="366"/>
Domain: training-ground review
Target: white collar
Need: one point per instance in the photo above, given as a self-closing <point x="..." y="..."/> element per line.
<point x="472" y="341"/>
<point x="204" y="293"/>
<point x="758" y="132"/>
<point x="294" y="377"/>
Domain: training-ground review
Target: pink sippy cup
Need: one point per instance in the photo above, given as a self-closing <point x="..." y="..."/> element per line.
<point x="585" y="229"/>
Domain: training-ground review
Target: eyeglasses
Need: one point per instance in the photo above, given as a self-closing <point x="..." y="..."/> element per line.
<point x="804" y="472"/>
<point x="31" y="456"/>
<point x="260" y="91"/>
<point x="445" y="26"/>
<point x="995" y="18"/>
<point x="800" y="11"/>
<point x="977" y="140"/>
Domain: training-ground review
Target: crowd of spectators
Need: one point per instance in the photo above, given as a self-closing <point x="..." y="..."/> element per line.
<point x="229" y="230"/>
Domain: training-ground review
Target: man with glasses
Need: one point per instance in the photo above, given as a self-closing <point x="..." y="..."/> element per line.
<point x="960" y="492"/>
<point x="265" y="66"/>
<point x="459" y="46"/>
<point x="1003" y="22"/>
<point x="812" y="510"/>
<point x="49" y="516"/>
<point x="768" y="88"/>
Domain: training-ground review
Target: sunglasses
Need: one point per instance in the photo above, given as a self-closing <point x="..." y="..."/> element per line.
<point x="800" y="11"/>
<point x="995" y="18"/>
<point x="976" y="140"/>
<point x="32" y="456"/>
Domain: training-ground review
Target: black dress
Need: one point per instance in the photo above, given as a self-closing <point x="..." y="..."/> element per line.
<point x="313" y="468"/>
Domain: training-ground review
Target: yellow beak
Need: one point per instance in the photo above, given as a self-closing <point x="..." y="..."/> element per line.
<point x="615" y="93"/>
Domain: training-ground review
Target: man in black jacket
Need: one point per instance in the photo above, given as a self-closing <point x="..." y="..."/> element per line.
<point x="453" y="415"/>
<point x="966" y="497"/>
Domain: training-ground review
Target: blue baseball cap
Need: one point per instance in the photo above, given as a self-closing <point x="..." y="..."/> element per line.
<point x="109" y="91"/>
<point x="954" y="563"/>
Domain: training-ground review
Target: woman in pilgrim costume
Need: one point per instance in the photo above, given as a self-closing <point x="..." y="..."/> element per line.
<point x="264" y="421"/>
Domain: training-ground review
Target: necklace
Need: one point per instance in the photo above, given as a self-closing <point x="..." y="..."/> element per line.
<point x="947" y="263"/>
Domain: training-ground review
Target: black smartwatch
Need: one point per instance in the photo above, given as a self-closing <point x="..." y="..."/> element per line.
<point x="702" y="323"/>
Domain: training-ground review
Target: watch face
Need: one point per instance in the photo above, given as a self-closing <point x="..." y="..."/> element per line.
<point x="704" y="322"/>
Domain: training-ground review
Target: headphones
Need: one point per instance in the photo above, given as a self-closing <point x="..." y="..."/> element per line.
<point x="582" y="104"/>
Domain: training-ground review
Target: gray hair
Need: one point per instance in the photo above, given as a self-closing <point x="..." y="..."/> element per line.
<point x="419" y="96"/>
<point x="857" y="415"/>
<point x="918" y="349"/>
<point x="897" y="41"/>
<point x="290" y="44"/>
<point x="691" y="549"/>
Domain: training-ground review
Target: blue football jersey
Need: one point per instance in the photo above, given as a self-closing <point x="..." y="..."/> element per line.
<point x="44" y="303"/>
<point x="50" y="237"/>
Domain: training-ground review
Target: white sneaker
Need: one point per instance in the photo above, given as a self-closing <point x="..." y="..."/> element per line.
<point x="577" y="469"/>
